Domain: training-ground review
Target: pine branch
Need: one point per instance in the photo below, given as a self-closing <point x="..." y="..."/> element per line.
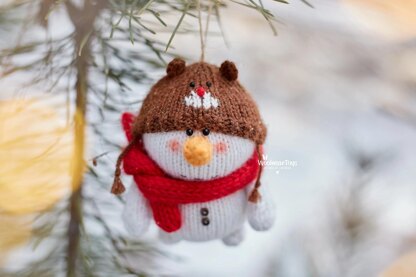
<point x="81" y="88"/>
<point x="91" y="49"/>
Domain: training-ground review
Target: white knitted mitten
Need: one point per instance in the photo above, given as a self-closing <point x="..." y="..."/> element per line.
<point x="136" y="214"/>
<point x="261" y="215"/>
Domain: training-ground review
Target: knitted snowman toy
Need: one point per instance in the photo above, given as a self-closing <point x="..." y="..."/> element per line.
<point x="194" y="152"/>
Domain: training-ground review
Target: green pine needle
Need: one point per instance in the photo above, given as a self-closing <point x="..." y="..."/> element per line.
<point x="184" y="12"/>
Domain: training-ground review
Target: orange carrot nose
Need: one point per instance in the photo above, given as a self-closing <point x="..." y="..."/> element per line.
<point x="197" y="150"/>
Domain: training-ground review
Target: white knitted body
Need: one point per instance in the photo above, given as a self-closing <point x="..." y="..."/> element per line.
<point x="226" y="215"/>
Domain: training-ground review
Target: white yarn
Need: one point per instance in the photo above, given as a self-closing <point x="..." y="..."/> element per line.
<point x="207" y="101"/>
<point x="226" y="215"/>
<point x="136" y="214"/>
<point x="261" y="215"/>
<point x="239" y="150"/>
<point x="235" y="238"/>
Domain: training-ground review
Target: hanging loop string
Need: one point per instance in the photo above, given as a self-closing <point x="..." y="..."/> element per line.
<point x="207" y="23"/>
<point x="203" y="36"/>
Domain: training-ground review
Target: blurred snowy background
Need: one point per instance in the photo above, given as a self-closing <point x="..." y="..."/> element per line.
<point x="336" y="88"/>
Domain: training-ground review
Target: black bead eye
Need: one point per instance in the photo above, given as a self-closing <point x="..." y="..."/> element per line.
<point x="209" y="84"/>
<point x="189" y="132"/>
<point x="205" y="132"/>
<point x="192" y="84"/>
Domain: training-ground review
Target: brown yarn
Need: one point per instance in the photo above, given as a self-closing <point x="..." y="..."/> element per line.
<point x="164" y="108"/>
<point x="229" y="71"/>
<point x="118" y="187"/>
<point x="255" y="195"/>
<point x="175" y="67"/>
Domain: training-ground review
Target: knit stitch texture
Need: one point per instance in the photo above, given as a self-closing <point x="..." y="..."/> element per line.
<point x="230" y="109"/>
<point x="165" y="193"/>
<point x="193" y="152"/>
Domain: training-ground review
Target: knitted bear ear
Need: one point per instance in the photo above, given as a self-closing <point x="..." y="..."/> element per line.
<point x="175" y="67"/>
<point x="229" y="71"/>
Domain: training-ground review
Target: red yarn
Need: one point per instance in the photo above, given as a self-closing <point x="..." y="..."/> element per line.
<point x="166" y="193"/>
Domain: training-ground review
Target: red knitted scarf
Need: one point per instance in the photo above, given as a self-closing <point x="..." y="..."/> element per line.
<point x="166" y="193"/>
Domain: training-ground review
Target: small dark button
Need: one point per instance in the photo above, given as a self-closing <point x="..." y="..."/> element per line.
<point x="189" y="132"/>
<point x="204" y="211"/>
<point x="205" y="132"/>
<point x="192" y="84"/>
<point x="205" y="221"/>
<point x="209" y="84"/>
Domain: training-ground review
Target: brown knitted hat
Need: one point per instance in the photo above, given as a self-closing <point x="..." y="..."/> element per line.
<point x="200" y="96"/>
